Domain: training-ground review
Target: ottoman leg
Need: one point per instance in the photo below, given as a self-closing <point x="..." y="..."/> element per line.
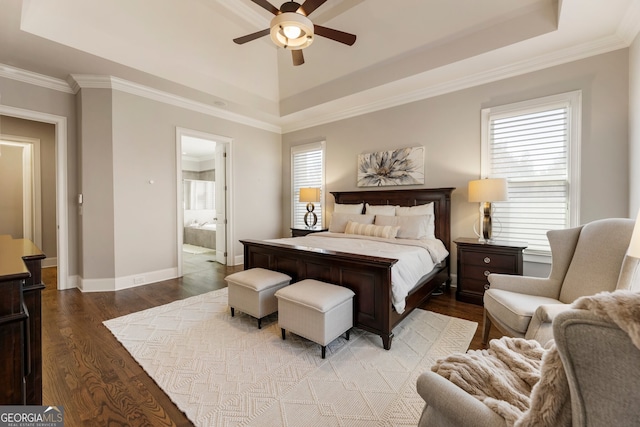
<point x="233" y="312"/>
<point x="284" y="334"/>
<point x="259" y="323"/>
<point x="324" y="351"/>
<point x="348" y="333"/>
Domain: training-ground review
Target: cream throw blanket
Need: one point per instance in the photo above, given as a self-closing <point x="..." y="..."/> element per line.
<point x="526" y="383"/>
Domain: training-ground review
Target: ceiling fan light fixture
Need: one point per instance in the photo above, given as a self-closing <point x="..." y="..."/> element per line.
<point x="292" y="30"/>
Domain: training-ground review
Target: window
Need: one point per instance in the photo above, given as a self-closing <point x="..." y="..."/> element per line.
<point x="535" y="146"/>
<point x="307" y="170"/>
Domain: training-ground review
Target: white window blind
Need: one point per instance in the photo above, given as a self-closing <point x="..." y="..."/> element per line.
<point x="307" y="171"/>
<point x="534" y="145"/>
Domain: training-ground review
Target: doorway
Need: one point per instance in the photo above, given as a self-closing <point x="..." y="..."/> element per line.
<point x="203" y="200"/>
<point x="64" y="281"/>
<point x="21" y="188"/>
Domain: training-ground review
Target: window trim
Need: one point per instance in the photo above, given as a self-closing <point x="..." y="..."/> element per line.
<point x="573" y="102"/>
<point x="296" y="149"/>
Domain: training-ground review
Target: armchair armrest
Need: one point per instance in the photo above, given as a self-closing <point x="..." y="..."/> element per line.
<point x="541" y="326"/>
<point x="538" y="286"/>
<point x="601" y="363"/>
<point x="447" y="405"/>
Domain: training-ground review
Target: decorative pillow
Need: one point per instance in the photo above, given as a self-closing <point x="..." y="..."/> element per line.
<point x="411" y="227"/>
<point x="339" y="221"/>
<point x="351" y="209"/>
<point x="385" y="231"/>
<point x="380" y="209"/>
<point x="426" y="209"/>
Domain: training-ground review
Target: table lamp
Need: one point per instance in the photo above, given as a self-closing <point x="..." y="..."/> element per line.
<point x="311" y="196"/>
<point x="486" y="191"/>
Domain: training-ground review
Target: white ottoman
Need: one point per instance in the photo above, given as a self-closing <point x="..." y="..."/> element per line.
<point x="252" y="291"/>
<point x="315" y="310"/>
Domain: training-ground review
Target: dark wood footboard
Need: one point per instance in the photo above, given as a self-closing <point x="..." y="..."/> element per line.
<point x="368" y="277"/>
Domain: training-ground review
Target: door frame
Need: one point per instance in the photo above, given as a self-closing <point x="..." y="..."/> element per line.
<point x="62" y="213"/>
<point x="180" y="132"/>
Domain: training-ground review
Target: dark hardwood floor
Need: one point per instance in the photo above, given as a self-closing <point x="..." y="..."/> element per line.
<point x="94" y="378"/>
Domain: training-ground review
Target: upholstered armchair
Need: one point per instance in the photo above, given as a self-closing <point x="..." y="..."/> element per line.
<point x="601" y="364"/>
<point x="585" y="260"/>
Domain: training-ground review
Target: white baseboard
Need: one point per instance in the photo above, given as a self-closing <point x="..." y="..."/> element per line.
<point x="126" y="282"/>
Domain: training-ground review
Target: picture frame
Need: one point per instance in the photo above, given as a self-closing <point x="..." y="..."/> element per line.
<point x="403" y="166"/>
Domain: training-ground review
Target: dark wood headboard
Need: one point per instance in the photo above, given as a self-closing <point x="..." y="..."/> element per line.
<point x="441" y="198"/>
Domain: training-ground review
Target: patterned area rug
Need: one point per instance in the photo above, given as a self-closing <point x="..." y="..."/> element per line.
<point x="224" y="371"/>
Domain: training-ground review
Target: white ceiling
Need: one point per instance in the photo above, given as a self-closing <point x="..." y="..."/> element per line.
<point x="405" y="50"/>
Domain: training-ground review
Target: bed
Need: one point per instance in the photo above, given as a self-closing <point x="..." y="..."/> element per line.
<point x="370" y="277"/>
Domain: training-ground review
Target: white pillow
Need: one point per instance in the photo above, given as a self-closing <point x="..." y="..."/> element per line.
<point x="411" y="227"/>
<point x="380" y="209"/>
<point x="339" y="221"/>
<point x="426" y="209"/>
<point x="351" y="209"/>
<point x="385" y="231"/>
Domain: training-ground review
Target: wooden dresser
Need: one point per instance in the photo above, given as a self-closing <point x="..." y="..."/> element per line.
<point x="476" y="260"/>
<point x="20" y="322"/>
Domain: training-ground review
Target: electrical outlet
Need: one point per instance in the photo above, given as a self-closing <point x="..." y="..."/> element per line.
<point x="138" y="280"/>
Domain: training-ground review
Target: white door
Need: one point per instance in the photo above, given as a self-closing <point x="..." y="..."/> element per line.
<point x="221" y="203"/>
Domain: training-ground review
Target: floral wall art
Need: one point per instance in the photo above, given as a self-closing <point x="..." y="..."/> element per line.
<point x="404" y="166"/>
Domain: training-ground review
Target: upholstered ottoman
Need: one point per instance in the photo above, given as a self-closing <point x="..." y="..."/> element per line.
<point x="315" y="310"/>
<point x="252" y="291"/>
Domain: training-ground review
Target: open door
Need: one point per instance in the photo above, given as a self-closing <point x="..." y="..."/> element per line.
<point x="221" y="203"/>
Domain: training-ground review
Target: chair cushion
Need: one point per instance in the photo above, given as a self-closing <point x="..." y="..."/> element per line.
<point x="315" y="294"/>
<point x="258" y="279"/>
<point x="514" y="309"/>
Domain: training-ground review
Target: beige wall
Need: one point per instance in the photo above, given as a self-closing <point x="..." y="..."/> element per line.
<point x="45" y="133"/>
<point x="449" y="127"/>
<point x="130" y="225"/>
<point x="634" y="128"/>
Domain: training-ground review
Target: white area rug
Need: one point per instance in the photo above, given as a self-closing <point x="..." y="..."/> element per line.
<point x="191" y="249"/>
<point x="224" y="371"/>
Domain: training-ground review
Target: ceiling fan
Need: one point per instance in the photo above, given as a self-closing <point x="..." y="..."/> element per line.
<point x="292" y="29"/>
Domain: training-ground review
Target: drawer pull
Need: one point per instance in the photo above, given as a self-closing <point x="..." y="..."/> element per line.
<point x="487" y="273"/>
<point x="486" y="286"/>
<point x="487" y="260"/>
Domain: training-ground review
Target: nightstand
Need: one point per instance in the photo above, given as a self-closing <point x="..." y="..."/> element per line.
<point x="476" y="260"/>
<point x="299" y="232"/>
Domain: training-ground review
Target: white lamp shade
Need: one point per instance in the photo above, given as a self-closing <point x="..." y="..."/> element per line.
<point x="634" y="245"/>
<point x="488" y="190"/>
<point x="310" y="195"/>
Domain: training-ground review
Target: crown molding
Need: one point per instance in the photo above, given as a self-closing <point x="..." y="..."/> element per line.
<point x="18" y="74"/>
<point x="316" y="116"/>
<point x="88" y="81"/>
<point x="630" y="26"/>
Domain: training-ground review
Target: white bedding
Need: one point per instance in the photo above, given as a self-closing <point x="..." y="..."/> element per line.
<point x="415" y="257"/>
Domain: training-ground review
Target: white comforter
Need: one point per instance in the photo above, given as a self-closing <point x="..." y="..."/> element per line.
<point x="415" y="257"/>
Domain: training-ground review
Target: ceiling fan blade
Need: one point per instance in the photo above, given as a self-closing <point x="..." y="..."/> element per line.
<point x="252" y="36"/>
<point x="267" y="6"/>
<point x="298" y="57"/>
<point x="309" y="6"/>
<point x="337" y="35"/>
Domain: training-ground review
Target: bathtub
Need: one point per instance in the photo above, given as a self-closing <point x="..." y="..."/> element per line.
<point x="200" y="235"/>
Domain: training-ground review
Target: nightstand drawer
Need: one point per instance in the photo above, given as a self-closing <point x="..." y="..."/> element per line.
<point x="493" y="260"/>
<point x="479" y="272"/>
